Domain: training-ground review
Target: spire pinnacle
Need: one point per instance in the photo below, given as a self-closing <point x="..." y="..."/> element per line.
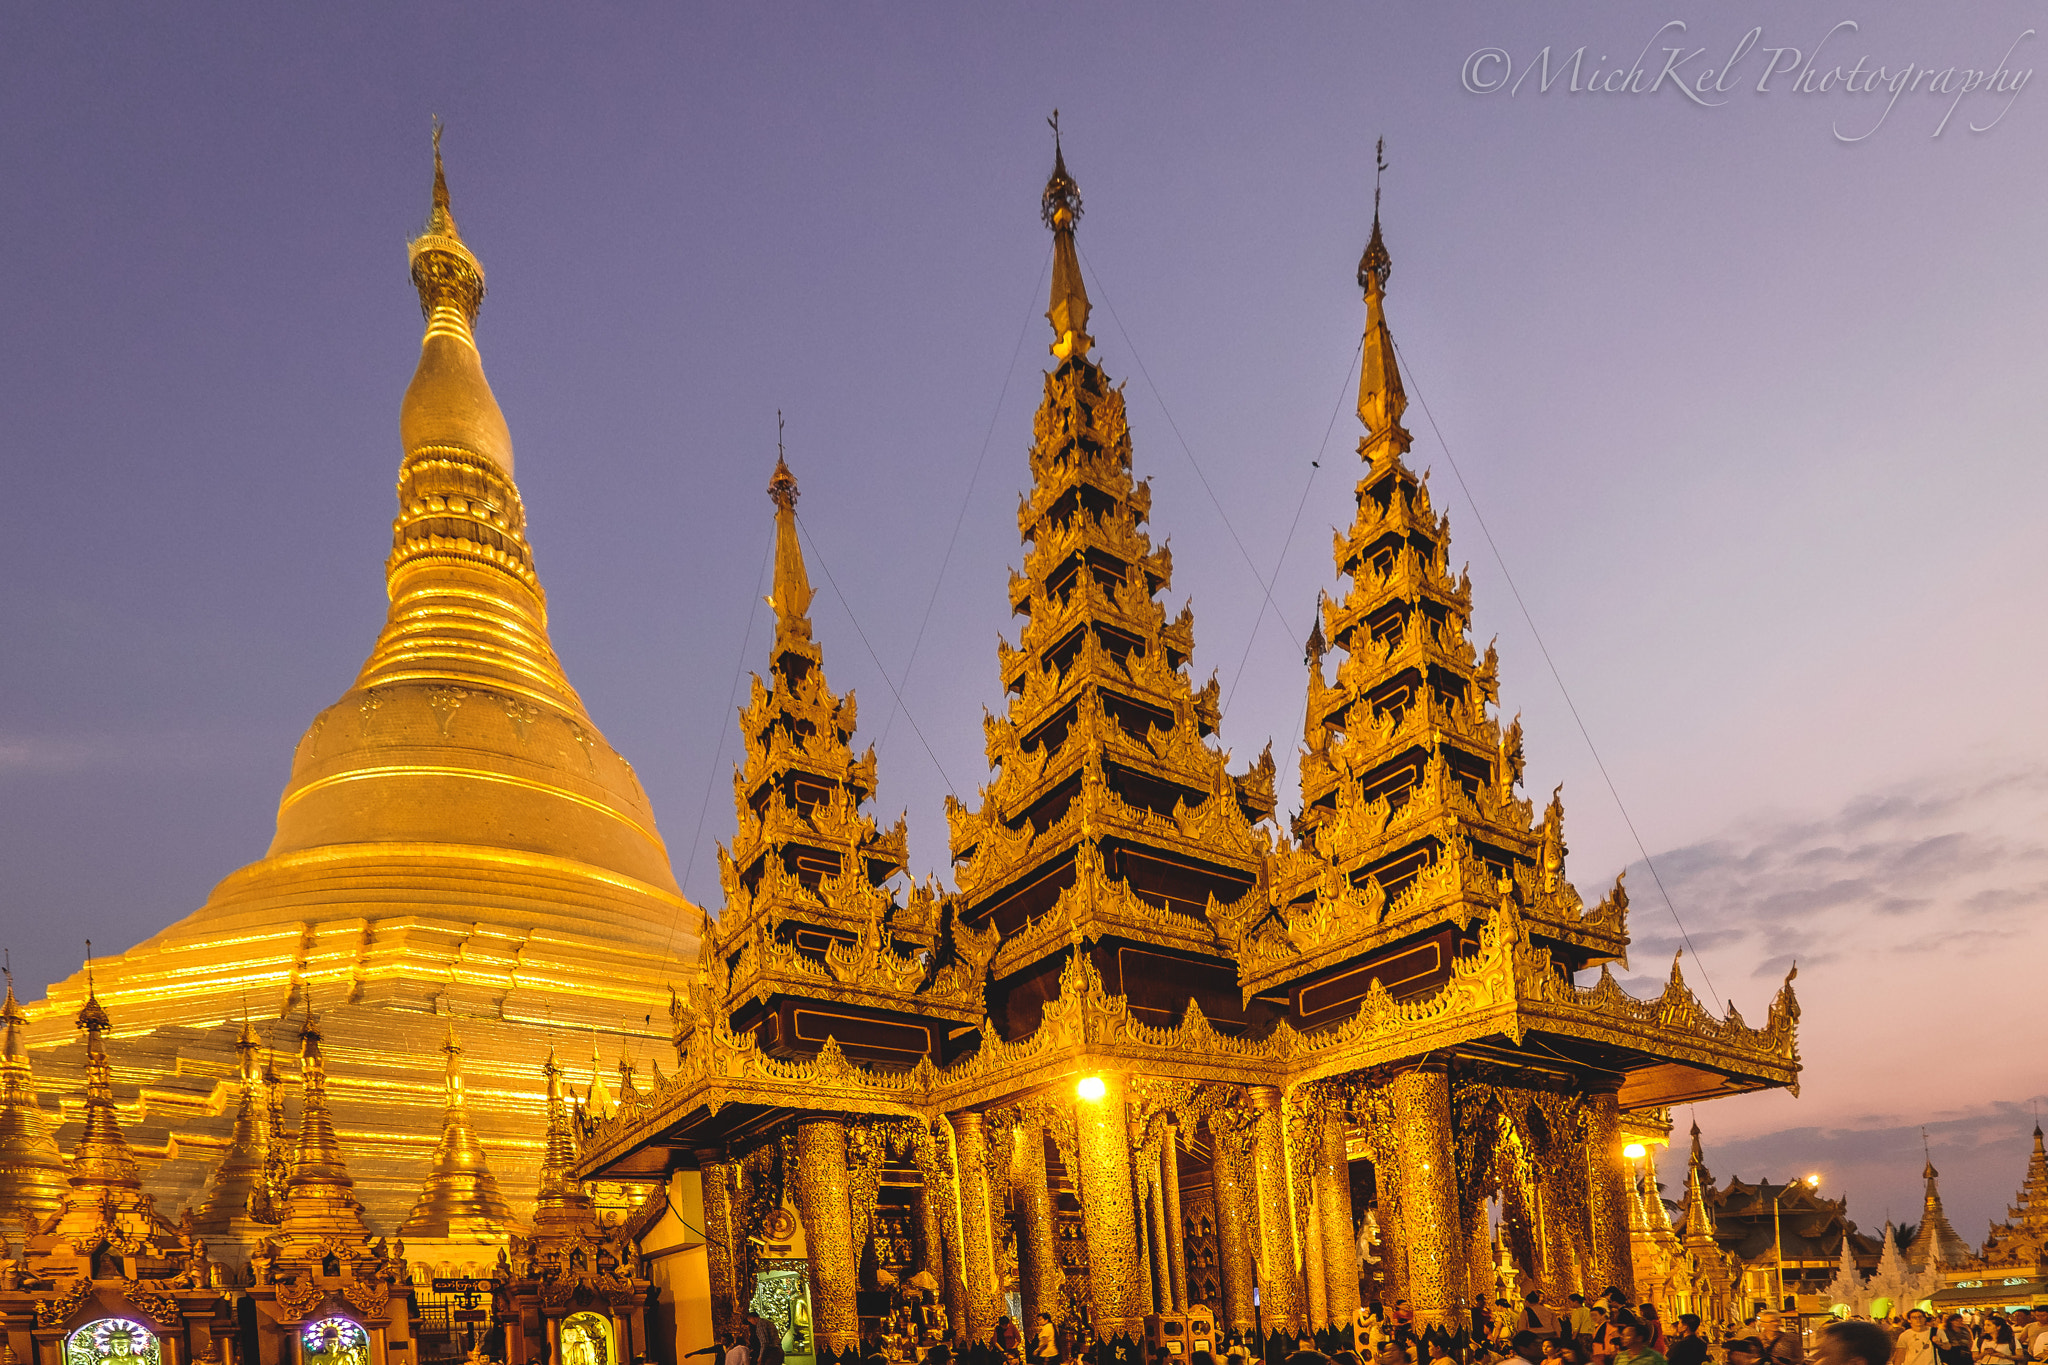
<point x="444" y="269"/>
<point x="1060" y="207"/>
<point x="792" y="593"/>
<point x="1381" y="399"/>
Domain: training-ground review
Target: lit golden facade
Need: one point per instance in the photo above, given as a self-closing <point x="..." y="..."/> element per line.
<point x="457" y="838"/>
<point x="1370" y="1020"/>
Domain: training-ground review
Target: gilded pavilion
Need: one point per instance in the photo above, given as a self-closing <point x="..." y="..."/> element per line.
<point x="1157" y="1060"/>
<point x="1158" y="1063"/>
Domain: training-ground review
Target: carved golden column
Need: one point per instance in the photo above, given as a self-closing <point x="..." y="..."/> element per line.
<point x="1280" y="1292"/>
<point x="1607" y="1196"/>
<point x="1480" y="1272"/>
<point x="1116" y="1279"/>
<point x="1333" y="1211"/>
<point x="1313" y="1272"/>
<point x="822" y="1194"/>
<point x="1553" y="1214"/>
<point x="1393" y="1231"/>
<point x="1162" y="1254"/>
<point x="721" y="1241"/>
<point x="1429" y="1198"/>
<point x="1176" y="1234"/>
<point x="977" y="1226"/>
<point x="1231" y="1136"/>
<point x="1038" y="1259"/>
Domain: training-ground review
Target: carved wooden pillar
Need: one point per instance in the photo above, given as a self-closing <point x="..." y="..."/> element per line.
<point x="984" y="1292"/>
<point x="1333" y="1212"/>
<point x="721" y="1241"/>
<point x="1607" y="1196"/>
<point x="1038" y="1259"/>
<point x="1109" y="1220"/>
<point x="1429" y="1197"/>
<point x="1176" y="1233"/>
<point x="1231" y="1137"/>
<point x="1280" y="1288"/>
<point x="1393" y="1231"/>
<point x="1480" y="1273"/>
<point x="822" y="1193"/>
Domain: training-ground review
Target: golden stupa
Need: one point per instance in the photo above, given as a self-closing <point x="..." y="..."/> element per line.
<point x="456" y="838"/>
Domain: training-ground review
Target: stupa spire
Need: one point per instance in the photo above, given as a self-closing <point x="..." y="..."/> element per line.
<point x="105" y="1199"/>
<point x="32" y="1173"/>
<point x="1936" y="1244"/>
<point x="1381" y="399"/>
<point x="808" y="904"/>
<point x="238" y="1197"/>
<point x="1699" y="1222"/>
<point x="563" y="1209"/>
<point x="460" y="1200"/>
<point x="792" y="599"/>
<point x="1061" y="208"/>
<point x="1110" y="814"/>
<point x="319" y="1201"/>
<point x="1408" y="778"/>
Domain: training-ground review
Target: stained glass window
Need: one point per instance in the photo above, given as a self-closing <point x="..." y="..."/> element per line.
<point x="586" y="1340"/>
<point x="112" y="1339"/>
<point x="333" y="1341"/>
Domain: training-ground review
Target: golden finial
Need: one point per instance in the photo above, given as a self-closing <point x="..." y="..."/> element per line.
<point x="1060" y="207"/>
<point x="792" y="590"/>
<point x="444" y="270"/>
<point x="1381" y="399"/>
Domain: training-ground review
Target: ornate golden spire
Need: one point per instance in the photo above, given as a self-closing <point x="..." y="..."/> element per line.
<point x="1109" y="815"/>
<point x="32" y="1174"/>
<point x="460" y="1201"/>
<point x="1699" y="1222"/>
<point x="808" y="909"/>
<point x="792" y="599"/>
<point x="1061" y="209"/>
<point x="562" y="1209"/>
<point x="238" y="1200"/>
<point x="319" y="1201"/>
<point x="1381" y="400"/>
<point x="1408" y="781"/>
<point x="1936" y="1244"/>
<point x="105" y="1199"/>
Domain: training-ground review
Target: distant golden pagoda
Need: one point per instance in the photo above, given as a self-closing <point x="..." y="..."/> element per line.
<point x="456" y="837"/>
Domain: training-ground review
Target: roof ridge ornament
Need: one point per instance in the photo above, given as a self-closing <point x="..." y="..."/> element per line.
<point x="1060" y="208"/>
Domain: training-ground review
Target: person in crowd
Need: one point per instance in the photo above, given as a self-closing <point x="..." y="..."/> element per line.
<point x="1745" y="1351"/>
<point x="1537" y="1318"/>
<point x="1578" y="1319"/>
<point x="1780" y="1346"/>
<point x="1995" y="1342"/>
<point x="1009" y="1339"/>
<point x="1633" y="1340"/>
<point x="1045" y="1345"/>
<point x="1201" y="1358"/>
<point x="1603" y="1343"/>
<point x="1852" y="1342"/>
<point x="1688" y="1347"/>
<point x="1653" y="1328"/>
<point x="1952" y="1341"/>
<point x="1915" y="1343"/>
<point x="1524" y="1348"/>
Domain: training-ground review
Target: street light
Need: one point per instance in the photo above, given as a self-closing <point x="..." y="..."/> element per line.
<point x="1091" y="1088"/>
<point x="1635" y="1151"/>
<point x="1811" y="1182"/>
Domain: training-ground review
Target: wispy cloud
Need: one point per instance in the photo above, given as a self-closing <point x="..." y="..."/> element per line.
<point x="1918" y="917"/>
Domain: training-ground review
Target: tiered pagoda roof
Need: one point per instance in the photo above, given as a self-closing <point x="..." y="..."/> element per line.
<point x="1111" y="820"/>
<point x="814" y="943"/>
<point x="2022" y="1239"/>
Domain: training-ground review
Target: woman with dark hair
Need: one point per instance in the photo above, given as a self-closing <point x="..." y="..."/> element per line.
<point x="1952" y="1344"/>
<point x="1995" y="1343"/>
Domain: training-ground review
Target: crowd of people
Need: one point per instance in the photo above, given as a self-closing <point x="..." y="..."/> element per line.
<point x="1607" y="1330"/>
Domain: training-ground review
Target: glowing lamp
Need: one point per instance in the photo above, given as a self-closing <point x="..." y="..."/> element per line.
<point x="1813" y="1182"/>
<point x="1091" y="1088"/>
<point x="1635" y="1151"/>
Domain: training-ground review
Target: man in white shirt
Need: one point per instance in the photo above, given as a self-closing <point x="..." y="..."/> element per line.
<point x="735" y="1353"/>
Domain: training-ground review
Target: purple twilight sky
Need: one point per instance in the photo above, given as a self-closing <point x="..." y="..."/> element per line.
<point x="1751" y="401"/>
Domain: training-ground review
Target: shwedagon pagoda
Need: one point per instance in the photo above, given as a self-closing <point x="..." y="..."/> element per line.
<point x="456" y="1070"/>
